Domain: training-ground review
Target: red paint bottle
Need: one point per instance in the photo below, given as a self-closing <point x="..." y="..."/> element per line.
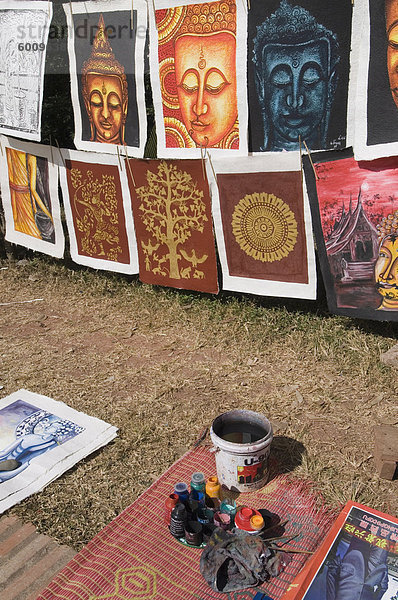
<point x="170" y="503"/>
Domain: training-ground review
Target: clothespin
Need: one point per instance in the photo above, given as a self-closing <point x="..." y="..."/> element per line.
<point x="154" y="14"/>
<point x="212" y="167"/>
<point x="132" y="15"/>
<point x="60" y="153"/>
<point x="118" y="157"/>
<point x="129" y="166"/>
<point x="248" y="5"/>
<point x="51" y="150"/>
<point x="312" y="164"/>
<point x="301" y="161"/>
<point x="203" y="157"/>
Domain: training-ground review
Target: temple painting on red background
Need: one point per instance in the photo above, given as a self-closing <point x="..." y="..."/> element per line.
<point x="356" y="209"/>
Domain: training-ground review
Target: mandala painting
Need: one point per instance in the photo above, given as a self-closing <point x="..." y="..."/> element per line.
<point x="263" y="227"/>
<point x="172" y="216"/>
<point x="98" y="212"/>
<point x="198" y="53"/>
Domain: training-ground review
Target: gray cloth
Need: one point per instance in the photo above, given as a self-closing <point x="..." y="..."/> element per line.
<point x="232" y="562"/>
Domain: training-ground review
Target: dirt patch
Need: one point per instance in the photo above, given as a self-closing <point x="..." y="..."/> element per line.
<point x="161" y="365"/>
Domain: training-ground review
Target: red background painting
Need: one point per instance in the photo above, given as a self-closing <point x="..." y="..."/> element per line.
<point x="341" y="180"/>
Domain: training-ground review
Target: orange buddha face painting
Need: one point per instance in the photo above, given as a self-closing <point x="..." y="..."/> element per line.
<point x="197" y="67"/>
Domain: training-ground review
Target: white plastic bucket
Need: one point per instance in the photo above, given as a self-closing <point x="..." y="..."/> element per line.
<point x="242" y="440"/>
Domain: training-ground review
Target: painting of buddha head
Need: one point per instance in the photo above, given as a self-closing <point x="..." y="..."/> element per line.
<point x="105" y="91"/>
<point x="295" y="68"/>
<point x="197" y="67"/>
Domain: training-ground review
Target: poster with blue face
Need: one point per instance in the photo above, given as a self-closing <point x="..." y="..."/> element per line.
<point x="298" y="71"/>
<point x="27" y="431"/>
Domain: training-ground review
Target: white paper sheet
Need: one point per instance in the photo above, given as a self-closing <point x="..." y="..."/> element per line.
<point x="260" y="164"/>
<point x="46" y="438"/>
<point x="135" y="70"/>
<point x="98" y="263"/>
<point x="241" y="77"/>
<point x="48" y="189"/>
<point x="24" y="28"/>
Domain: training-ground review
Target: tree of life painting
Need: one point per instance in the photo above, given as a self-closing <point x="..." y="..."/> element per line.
<point x="358" y="207"/>
<point x="173" y="224"/>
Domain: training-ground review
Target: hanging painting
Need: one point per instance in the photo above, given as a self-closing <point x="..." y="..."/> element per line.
<point x="263" y="226"/>
<point x="376" y="120"/>
<point x="355" y="215"/>
<point x="298" y="68"/>
<point x="172" y="216"/>
<point x="24" y="30"/>
<point x="198" y="72"/>
<point x="29" y="191"/>
<point x="98" y="212"/>
<point x="106" y="57"/>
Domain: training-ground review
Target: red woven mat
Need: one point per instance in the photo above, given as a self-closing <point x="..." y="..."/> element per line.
<point x="136" y="558"/>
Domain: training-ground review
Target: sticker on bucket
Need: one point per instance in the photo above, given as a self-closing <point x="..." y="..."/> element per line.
<point x="251" y="474"/>
<point x="242" y="440"/>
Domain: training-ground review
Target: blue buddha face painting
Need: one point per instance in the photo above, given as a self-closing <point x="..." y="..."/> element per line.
<point x="27" y="432"/>
<point x="295" y="73"/>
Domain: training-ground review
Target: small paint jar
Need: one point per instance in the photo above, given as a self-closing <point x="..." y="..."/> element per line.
<point x="170" y="503"/>
<point x="213" y="491"/>
<point x="257" y="523"/>
<point x="205" y="515"/>
<point x="222" y="520"/>
<point x="182" y="490"/>
<point x="243" y="519"/>
<point x="193" y="533"/>
<point x="198" y="488"/>
<point x="178" y="519"/>
<point x="228" y="506"/>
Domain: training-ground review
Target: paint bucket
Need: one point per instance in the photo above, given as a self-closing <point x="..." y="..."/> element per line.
<point x="242" y="439"/>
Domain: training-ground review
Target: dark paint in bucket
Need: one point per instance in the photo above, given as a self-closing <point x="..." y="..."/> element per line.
<point x="235" y="429"/>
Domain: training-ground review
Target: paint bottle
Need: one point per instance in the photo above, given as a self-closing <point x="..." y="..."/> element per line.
<point x="198" y="488"/>
<point x="222" y="520"/>
<point x="193" y="533"/>
<point x="181" y="489"/>
<point x="178" y="519"/>
<point x="170" y="503"/>
<point x="228" y="506"/>
<point x="257" y="522"/>
<point x="243" y="519"/>
<point x="213" y="490"/>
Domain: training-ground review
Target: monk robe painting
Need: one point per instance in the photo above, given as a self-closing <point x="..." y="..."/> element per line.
<point x="199" y="94"/>
<point x="98" y="212"/>
<point x="355" y="216"/>
<point x="29" y="185"/>
<point x="263" y="226"/>
<point x="106" y="56"/>
<point x="172" y="216"/>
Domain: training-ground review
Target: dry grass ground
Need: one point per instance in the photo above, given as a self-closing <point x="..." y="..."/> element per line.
<point x="161" y="364"/>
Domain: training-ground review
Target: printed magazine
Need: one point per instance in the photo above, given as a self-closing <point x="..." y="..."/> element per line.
<point x="358" y="560"/>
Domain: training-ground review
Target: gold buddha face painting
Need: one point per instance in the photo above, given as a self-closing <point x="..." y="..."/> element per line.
<point x="197" y="46"/>
<point x="104" y="89"/>
<point x="386" y="267"/>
